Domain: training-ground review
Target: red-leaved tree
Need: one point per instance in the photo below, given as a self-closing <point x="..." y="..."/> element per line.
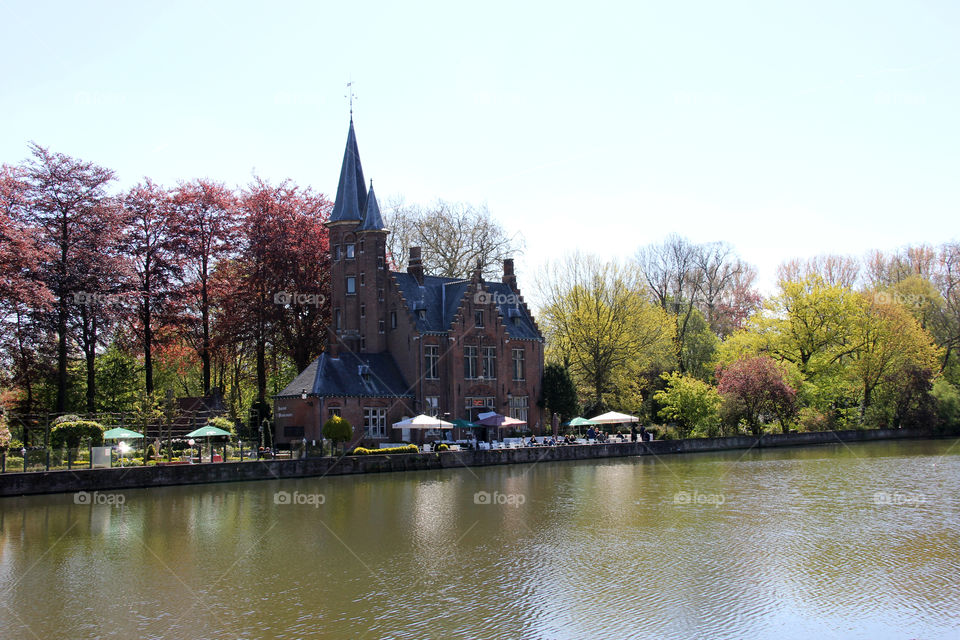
<point x="755" y="388"/>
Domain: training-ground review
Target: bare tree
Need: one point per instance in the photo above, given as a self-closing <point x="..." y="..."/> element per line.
<point x="455" y="237"/>
<point x="835" y="270"/>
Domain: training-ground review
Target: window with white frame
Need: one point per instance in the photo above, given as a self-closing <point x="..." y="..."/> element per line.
<point x="490" y="363"/>
<point x="431" y="356"/>
<point x="431" y="405"/>
<point x="518" y="368"/>
<point x="375" y="422"/>
<point x="470" y="362"/>
<point x="518" y="407"/>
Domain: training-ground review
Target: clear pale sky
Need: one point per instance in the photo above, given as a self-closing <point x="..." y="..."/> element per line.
<point x="788" y="129"/>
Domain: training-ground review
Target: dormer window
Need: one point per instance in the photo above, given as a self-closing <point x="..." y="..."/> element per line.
<point x="350" y="251"/>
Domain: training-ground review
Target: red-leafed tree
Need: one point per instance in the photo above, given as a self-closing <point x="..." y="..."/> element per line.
<point x="755" y="387"/>
<point x="150" y="248"/>
<point x="279" y="283"/>
<point x="67" y="203"/>
<point x="205" y="229"/>
<point x="23" y="293"/>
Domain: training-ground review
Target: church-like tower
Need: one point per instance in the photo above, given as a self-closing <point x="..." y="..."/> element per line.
<point x="358" y="261"/>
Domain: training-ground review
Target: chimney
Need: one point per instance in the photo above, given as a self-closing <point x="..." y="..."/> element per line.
<point x="508" y="277"/>
<point x="333" y="343"/>
<point x="415" y="265"/>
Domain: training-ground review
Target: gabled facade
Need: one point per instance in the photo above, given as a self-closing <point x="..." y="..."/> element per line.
<point x="404" y="343"/>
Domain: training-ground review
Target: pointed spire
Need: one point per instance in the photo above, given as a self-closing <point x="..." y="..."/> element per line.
<point x="371" y="217"/>
<point x="351" y="202"/>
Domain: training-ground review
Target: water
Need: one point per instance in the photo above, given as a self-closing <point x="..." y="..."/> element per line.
<point x="828" y="542"/>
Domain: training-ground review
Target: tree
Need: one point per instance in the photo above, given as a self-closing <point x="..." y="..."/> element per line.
<point x="600" y="325"/>
<point x="337" y="430"/>
<point x="150" y="247"/>
<point x="692" y="403"/>
<point x="205" y="229"/>
<point x="558" y="393"/>
<point x="71" y="433"/>
<point x="755" y="387"/>
<point x="455" y="237"/>
<point x="66" y="201"/>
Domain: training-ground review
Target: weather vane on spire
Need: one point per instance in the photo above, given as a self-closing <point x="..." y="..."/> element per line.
<point x="351" y="95"/>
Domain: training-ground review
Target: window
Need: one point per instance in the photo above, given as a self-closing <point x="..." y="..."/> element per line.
<point x="351" y="284"/>
<point x="375" y="422"/>
<point x="422" y="314"/>
<point x="363" y="311"/>
<point x="337" y="319"/>
<point x="479" y="403"/>
<point x="361" y="246"/>
<point x="431" y="405"/>
<point x="470" y="362"/>
<point x="336" y="252"/>
<point x="431" y="354"/>
<point x="393" y="319"/>
<point x="379" y="295"/>
<point x="518" y="407"/>
<point x="490" y="362"/>
<point x="478" y="318"/>
<point x="381" y="326"/>
<point x="334" y="411"/>
<point x="349" y="251"/>
<point x="380" y="262"/>
<point x="363" y="279"/>
<point x="518" y="368"/>
<point x="363" y="343"/>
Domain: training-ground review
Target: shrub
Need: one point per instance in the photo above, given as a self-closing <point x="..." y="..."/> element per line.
<point x="71" y="433"/>
<point x="222" y="422"/>
<point x="5" y="436"/>
<point x="442" y="447"/>
<point x="692" y="403"/>
<point x="336" y="429"/>
<point x="363" y="451"/>
<point x="812" y="419"/>
<point x="150" y="452"/>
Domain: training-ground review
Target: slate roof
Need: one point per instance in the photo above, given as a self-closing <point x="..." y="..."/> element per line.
<point x="440" y="299"/>
<point x="342" y="376"/>
<point x="351" y="202"/>
<point x="371" y="217"/>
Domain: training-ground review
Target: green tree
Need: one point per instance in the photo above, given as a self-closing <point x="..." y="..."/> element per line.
<point x="558" y="393"/>
<point x="693" y="404"/>
<point x="600" y="325"/>
<point x="71" y="433"/>
<point x="337" y="430"/>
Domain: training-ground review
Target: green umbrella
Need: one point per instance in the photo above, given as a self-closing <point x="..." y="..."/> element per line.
<point x="579" y="422"/>
<point x="119" y="433"/>
<point x="466" y="424"/>
<point x="207" y="432"/>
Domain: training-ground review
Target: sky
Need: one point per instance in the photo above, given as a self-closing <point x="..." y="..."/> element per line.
<point x="787" y="129"/>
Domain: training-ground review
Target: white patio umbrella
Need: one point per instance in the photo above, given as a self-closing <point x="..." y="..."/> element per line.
<point x="423" y="422"/>
<point x="613" y="417"/>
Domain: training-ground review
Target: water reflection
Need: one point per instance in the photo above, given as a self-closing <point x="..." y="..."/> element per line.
<point x="859" y="541"/>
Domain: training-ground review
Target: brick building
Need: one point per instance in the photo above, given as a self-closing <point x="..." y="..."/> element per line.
<point x="404" y="343"/>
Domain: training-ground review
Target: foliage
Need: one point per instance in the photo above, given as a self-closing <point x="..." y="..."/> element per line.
<point x="69" y="417"/>
<point x="693" y="404"/>
<point x="558" y="394"/>
<point x="363" y="451"/>
<point x="72" y="433"/>
<point x="337" y="430"/>
<point x="5" y="436"/>
<point x="755" y="388"/>
<point x="224" y="423"/>
<point x="947" y="398"/>
<point x="600" y="326"/>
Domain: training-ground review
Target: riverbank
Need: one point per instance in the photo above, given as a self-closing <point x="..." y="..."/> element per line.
<point x="17" y="484"/>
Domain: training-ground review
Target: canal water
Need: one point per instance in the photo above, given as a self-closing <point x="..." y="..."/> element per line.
<point x="858" y="541"/>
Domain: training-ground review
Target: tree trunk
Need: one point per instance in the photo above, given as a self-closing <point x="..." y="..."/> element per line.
<point x="62" y="356"/>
